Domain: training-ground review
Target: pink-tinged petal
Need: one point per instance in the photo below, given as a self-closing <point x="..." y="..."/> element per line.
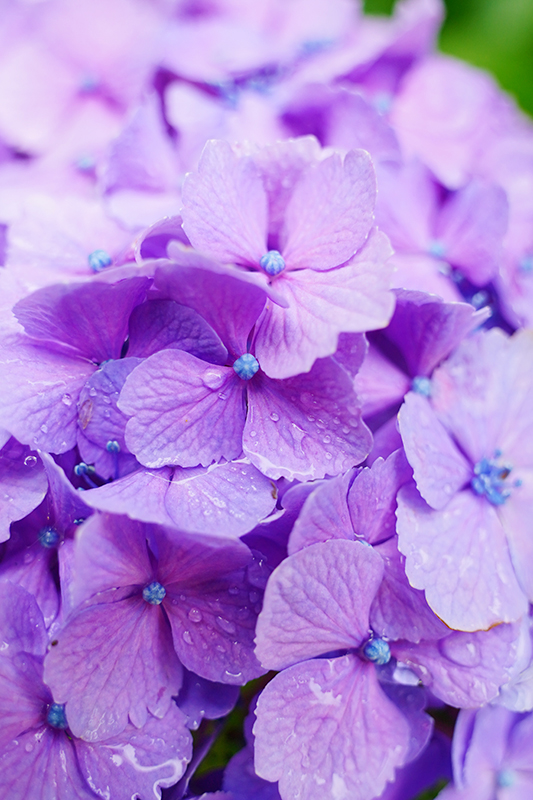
<point x="317" y="601"/>
<point x="372" y="497"/>
<point x="138" y="762"/>
<point x="465" y="670"/>
<point x="379" y="384"/>
<point x="21" y="621"/>
<point x="331" y="210"/>
<point x="482" y="395"/>
<point x="162" y="324"/>
<point x="351" y="121"/>
<point x="42" y="764"/>
<point x="440" y="469"/>
<point x="398" y="610"/>
<point x="320" y="305"/>
<point x="517" y="521"/>
<point x="460" y="557"/>
<point x="326" y="729"/>
<point x="23" y="484"/>
<point x="226" y="499"/>
<point x="83" y="315"/>
<point x="472" y="226"/>
<point x="225" y="206"/>
<point x="110" y="551"/>
<point x="112" y="661"/>
<point x="227" y="300"/>
<point x="183" y="411"/>
<point x="307" y="426"/>
<point x="324" y="515"/>
<point x="427" y="330"/>
<point x="40" y="388"/>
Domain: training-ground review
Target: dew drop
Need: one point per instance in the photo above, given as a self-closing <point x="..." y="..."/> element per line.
<point x="213" y="379"/>
<point x="30" y="461"/>
<point x="329" y="456"/>
<point x="66" y="400"/>
<point x="326" y="439"/>
<point x="187" y="637"/>
<point x="44" y="428"/>
<point x="92" y="391"/>
<point x="222" y="396"/>
<point x="195" y="615"/>
<point x="28" y="748"/>
<point x="274" y="417"/>
<point x="253" y="434"/>
<point x="226" y="625"/>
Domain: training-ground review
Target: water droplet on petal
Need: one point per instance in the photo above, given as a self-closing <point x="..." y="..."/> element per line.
<point x="213" y="378"/>
<point x="274" y="417"/>
<point x="44" y="428"/>
<point x="187" y="637"/>
<point x="195" y="615"/>
<point x="226" y="625"/>
<point x="30" y="461"/>
<point x="66" y="400"/>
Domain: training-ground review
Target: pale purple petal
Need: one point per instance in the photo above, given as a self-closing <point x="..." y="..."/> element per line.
<point x="225" y="206"/>
<point x="112" y="661"/>
<point x="21" y="621"/>
<point x="517" y="522"/>
<point x="317" y="601"/>
<point x="38" y="403"/>
<point x="398" y="610"/>
<point x="326" y="729"/>
<point x="380" y="384"/>
<point x="183" y="411"/>
<point x="320" y="305"/>
<point x="161" y="324"/>
<point x="325" y="515"/>
<point x="440" y="469"/>
<point x="200" y="698"/>
<point x="67" y="502"/>
<point x="331" y="210"/>
<point x="138" y="761"/>
<point x="460" y="557"/>
<point x="226" y="499"/>
<point x="110" y="551"/>
<point x="465" y="670"/>
<point x="307" y="426"/>
<point x="226" y="300"/>
<point x="83" y="315"/>
<point x="23" y="484"/>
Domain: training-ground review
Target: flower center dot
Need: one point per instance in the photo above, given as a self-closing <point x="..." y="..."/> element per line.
<point x="48" y="537"/>
<point x="154" y="593"/>
<point x="99" y="260"/>
<point x="246" y="366"/>
<point x="489" y="480"/>
<point x="377" y="651"/>
<point x="56" y="716"/>
<point x="272" y="262"/>
<point x="421" y="385"/>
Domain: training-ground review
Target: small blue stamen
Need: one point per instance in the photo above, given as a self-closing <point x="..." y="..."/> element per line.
<point x="99" y="260"/>
<point x="56" y="716"/>
<point x="377" y="651"/>
<point x="84" y="469"/>
<point x="437" y="249"/>
<point x="489" y="480"/>
<point x="85" y="163"/>
<point x="154" y="593"/>
<point x="49" y="537"/>
<point x="480" y="299"/>
<point x="112" y="446"/>
<point x="272" y="262"/>
<point x="506" y="778"/>
<point x="246" y="366"/>
<point x="421" y="385"/>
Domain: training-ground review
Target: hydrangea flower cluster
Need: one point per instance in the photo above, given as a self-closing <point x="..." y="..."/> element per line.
<point x="267" y="405"/>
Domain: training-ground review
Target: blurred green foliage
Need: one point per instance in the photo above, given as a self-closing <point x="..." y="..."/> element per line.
<point x="494" y="34"/>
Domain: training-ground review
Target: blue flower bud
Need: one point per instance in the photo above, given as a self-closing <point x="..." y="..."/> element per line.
<point x="377" y="651"/>
<point x="154" y="593"/>
<point x="421" y="385"/>
<point x="99" y="260"/>
<point x="56" y="716"/>
<point x="272" y="262"/>
<point x="49" y="537"/>
<point x="112" y="446"/>
<point x="246" y="366"/>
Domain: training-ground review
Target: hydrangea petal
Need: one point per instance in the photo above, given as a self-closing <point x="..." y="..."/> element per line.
<point x="517" y="522"/>
<point x="317" y="601"/>
<point x="324" y="515"/>
<point x="21" y="621"/>
<point x="37" y="405"/>
<point x="465" y="670"/>
<point x="183" y="411"/>
<point x="225" y="206"/>
<point x="460" y="557"/>
<point x="440" y="469"/>
<point x="138" y="761"/>
<point x="22" y="483"/>
<point x="307" y="426"/>
<point x="331" y="210"/>
<point x="113" y="660"/>
<point x="380" y="384"/>
<point x="326" y="729"/>
<point x="83" y="315"/>
<point x="200" y="698"/>
<point x="226" y="499"/>
<point x="320" y="305"/>
<point x="162" y="324"/>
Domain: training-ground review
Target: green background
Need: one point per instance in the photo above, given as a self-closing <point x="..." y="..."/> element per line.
<point x="494" y="34"/>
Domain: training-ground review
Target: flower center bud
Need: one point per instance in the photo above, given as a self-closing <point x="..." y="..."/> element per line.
<point x="377" y="651"/>
<point x="56" y="716"/>
<point x="48" y="537"/>
<point x="489" y="480"/>
<point x="112" y="446"/>
<point x="505" y="778"/>
<point x="99" y="260"/>
<point x="272" y="262"/>
<point x="437" y="249"/>
<point x="246" y="366"/>
<point x="421" y="385"/>
<point x="154" y="593"/>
